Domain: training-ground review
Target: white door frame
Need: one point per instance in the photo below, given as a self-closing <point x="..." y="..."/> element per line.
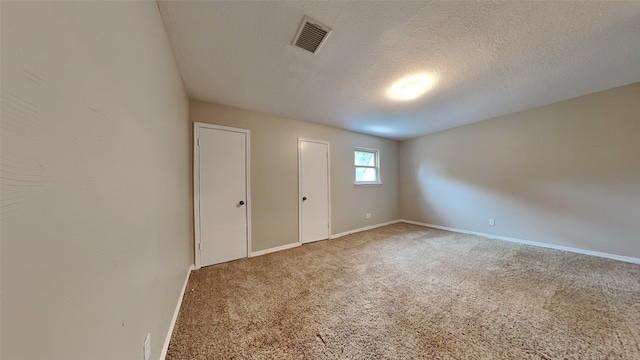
<point x="196" y="183"/>
<point x="300" y="140"/>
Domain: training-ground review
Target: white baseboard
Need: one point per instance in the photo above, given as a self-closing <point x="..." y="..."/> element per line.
<point x="534" y="243"/>
<point x="274" y="249"/>
<point x="363" y="229"/>
<point x="289" y="246"/>
<point x="167" y="340"/>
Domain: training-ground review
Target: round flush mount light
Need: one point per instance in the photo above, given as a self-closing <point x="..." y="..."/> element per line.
<point x="410" y="88"/>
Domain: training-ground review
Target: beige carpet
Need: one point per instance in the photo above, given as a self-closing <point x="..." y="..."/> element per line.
<point x="403" y="292"/>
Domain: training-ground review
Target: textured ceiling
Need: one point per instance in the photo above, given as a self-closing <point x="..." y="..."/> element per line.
<point x="486" y="58"/>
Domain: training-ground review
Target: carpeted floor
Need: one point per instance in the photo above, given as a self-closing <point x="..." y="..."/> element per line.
<point x="409" y="292"/>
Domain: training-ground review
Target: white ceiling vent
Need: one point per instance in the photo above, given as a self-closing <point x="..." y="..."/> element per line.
<point x="311" y="35"/>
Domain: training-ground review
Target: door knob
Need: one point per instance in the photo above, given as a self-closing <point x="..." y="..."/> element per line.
<point x="241" y="202"/>
<point x="304" y="198"/>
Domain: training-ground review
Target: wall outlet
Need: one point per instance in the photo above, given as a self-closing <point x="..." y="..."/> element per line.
<point x="147" y="347"/>
<point x="492" y="222"/>
<point x="367" y="216"/>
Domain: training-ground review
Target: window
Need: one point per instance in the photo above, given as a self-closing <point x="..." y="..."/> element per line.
<point x="367" y="166"/>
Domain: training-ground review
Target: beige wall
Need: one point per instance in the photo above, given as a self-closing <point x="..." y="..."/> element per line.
<point x="274" y="174"/>
<point x="565" y="174"/>
<point x="96" y="216"/>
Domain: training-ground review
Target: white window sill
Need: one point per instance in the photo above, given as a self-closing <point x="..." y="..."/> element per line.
<point x="367" y="184"/>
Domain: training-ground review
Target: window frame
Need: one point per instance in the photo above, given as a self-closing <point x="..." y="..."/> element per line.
<point x="376" y="153"/>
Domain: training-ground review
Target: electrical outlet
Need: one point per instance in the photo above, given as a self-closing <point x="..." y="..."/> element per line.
<point x="367" y="216"/>
<point x="492" y="222"/>
<point x="147" y="347"/>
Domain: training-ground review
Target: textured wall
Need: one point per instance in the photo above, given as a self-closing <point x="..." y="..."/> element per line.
<point x="96" y="216"/>
<point x="274" y="174"/>
<point x="565" y="174"/>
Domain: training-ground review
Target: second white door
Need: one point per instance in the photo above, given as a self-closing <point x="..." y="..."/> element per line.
<point x="314" y="190"/>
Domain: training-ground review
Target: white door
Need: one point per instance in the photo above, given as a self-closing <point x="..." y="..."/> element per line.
<point x="314" y="190"/>
<point x="221" y="198"/>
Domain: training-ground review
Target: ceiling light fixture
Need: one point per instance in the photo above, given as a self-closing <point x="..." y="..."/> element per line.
<point x="410" y="88"/>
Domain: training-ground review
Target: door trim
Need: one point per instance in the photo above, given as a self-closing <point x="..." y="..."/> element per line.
<point x="196" y="183"/>
<point x="300" y="140"/>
